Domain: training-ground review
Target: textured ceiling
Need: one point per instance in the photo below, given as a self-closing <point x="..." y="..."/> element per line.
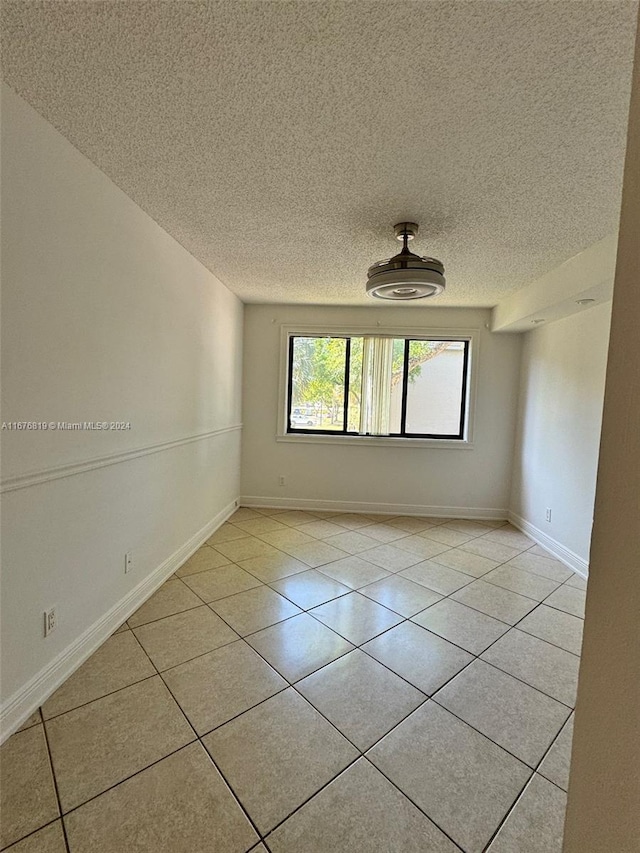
<point x="280" y="141"/>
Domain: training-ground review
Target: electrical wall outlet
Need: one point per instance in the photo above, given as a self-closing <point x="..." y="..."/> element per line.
<point x="128" y="562"/>
<point x="548" y="513"/>
<point x="50" y="621"/>
<point x="281" y="480"/>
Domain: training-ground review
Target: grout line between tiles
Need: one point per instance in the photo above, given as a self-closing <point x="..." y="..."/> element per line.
<point x="363" y="757"/>
<point x="289" y="685"/>
<point x="240" y="713"/>
<point x="506" y="588"/>
<point x="508" y="813"/>
<point x="376" y="545"/>
<point x="160" y="618"/>
<point x="30" y="834"/>
<point x="427" y="696"/>
<point x="531" y="767"/>
<point x="98" y="698"/>
<point x="526" y="683"/>
<point x="227" y="782"/>
<point x="404" y="794"/>
<point x="311" y="796"/>
<point x="404" y="619"/>
<point x="528" y="767"/>
<point x="512" y="627"/>
<point x="535" y="772"/>
<point x="474" y="658"/>
<point x="550" y="781"/>
<point x="536" y="768"/>
<point x="199" y="740"/>
<point x="55" y="785"/>
<point x="130" y="776"/>
<point x="555" y="645"/>
<point x="292" y="684"/>
<point x="307" y="610"/>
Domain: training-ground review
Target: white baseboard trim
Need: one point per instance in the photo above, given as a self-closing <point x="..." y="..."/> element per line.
<point x="30" y="697"/>
<point x="565" y="555"/>
<point x="493" y="514"/>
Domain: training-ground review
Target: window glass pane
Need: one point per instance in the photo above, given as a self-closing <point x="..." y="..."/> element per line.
<point x="317" y="386"/>
<point x="434" y="390"/>
<point x="355" y="385"/>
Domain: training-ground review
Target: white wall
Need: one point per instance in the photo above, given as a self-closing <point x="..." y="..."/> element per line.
<point x="474" y="481"/>
<point x="560" y="413"/>
<point x="604" y="785"/>
<point x="554" y="295"/>
<point x="104" y="318"/>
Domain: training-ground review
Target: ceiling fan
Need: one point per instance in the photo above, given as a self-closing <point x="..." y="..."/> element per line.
<point x="405" y="275"/>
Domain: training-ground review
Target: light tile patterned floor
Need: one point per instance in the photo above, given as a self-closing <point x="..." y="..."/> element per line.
<point x="309" y="683"/>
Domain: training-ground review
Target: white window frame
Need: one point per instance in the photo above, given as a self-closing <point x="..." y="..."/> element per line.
<point x="301" y="330"/>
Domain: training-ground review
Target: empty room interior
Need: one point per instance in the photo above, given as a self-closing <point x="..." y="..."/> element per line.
<point x="288" y="568"/>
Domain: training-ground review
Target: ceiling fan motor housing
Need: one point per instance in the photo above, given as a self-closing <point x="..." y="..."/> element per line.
<point x="406" y="275"/>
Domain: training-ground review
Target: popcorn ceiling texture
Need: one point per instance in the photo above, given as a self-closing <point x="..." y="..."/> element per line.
<point x="280" y="141"/>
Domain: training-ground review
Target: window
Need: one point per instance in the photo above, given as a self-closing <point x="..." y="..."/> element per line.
<point x="374" y="385"/>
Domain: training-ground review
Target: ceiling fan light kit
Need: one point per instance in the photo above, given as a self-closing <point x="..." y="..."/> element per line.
<point x="406" y="275"/>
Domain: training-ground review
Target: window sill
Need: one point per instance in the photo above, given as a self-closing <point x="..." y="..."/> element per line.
<point x="376" y="441"/>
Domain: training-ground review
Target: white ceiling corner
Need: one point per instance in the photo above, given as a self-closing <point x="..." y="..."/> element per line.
<point x="280" y="141"/>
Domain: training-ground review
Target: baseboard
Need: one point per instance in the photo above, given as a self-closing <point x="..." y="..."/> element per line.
<point x="27" y="699"/>
<point x="374" y="508"/>
<point x="565" y="555"/>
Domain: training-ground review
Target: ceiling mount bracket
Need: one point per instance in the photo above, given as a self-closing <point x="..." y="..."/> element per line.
<point x="405" y="229"/>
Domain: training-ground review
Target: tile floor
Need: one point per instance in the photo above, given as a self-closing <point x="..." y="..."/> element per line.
<point x="317" y="683"/>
